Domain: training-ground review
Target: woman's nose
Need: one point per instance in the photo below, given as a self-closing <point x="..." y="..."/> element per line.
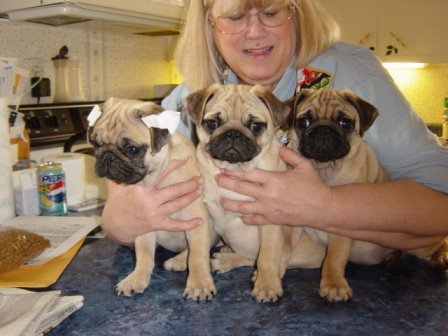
<point x="254" y="27"/>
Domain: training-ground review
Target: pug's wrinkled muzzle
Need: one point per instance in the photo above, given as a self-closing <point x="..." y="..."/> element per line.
<point x="323" y="144"/>
<point x="233" y="146"/>
<point x="114" y="168"/>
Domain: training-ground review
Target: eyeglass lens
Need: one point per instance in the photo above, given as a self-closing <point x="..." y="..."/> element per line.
<point x="235" y="23"/>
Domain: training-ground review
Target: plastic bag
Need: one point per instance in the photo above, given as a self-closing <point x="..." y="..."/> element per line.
<point x="19" y="246"/>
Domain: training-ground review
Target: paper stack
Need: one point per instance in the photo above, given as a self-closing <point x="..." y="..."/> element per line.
<point x="26" y="313"/>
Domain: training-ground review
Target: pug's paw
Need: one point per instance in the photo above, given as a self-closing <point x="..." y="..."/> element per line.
<point x="177" y="263"/>
<point x="135" y="283"/>
<point x="223" y="262"/>
<point x="200" y="288"/>
<point x="335" y="291"/>
<point x="267" y="288"/>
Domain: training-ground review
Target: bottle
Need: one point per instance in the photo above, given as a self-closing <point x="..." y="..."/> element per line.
<point x="445" y="121"/>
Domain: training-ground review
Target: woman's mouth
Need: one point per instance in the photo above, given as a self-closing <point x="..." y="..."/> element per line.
<point x="258" y="51"/>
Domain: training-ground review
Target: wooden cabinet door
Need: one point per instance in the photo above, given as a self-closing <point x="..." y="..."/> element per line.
<point x="398" y="30"/>
<point x="418" y="29"/>
<point x="359" y="20"/>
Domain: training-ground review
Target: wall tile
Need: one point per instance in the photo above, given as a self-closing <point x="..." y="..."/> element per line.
<point x="132" y="64"/>
<point x="425" y="89"/>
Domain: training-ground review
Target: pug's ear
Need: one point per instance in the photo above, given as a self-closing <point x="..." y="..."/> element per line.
<point x="159" y="138"/>
<point x="147" y="108"/>
<point x="280" y="112"/>
<point x="298" y="98"/>
<point x="196" y="102"/>
<point x="366" y="111"/>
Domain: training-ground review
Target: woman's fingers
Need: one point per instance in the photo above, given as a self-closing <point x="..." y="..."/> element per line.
<point x="179" y="201"/>
<point x="192" y="186"/>
<point x="292" y="158"/>
<point x="182" y="225"/>
<point x="242" y="207"/>
<point x="255" y="220"/>
<point x="245" y="183"/>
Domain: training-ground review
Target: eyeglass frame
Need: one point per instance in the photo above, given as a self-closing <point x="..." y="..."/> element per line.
<point x="213" y="20"/>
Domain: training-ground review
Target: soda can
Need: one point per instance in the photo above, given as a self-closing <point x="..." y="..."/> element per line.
<point x="51" y="189"/>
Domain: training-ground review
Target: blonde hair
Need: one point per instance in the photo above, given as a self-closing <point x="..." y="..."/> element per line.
<point x="199" y="61"/>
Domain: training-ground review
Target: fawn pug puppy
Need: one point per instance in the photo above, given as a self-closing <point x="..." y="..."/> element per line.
<point x="128" y="151"/>
<point x="236" y="127"/>
<point x="328" y="126"/>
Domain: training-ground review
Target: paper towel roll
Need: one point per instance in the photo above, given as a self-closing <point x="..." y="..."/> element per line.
<point x="6" y="190"/>
<point x="75" y="174"/>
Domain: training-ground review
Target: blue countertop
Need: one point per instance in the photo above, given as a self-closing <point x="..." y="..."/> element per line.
<point x="407" y="301"/>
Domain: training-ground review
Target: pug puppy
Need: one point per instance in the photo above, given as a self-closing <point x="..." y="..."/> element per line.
<point x="129" y="152"/>
<point x="236" y="127"/>
<point x="328" y="126"/>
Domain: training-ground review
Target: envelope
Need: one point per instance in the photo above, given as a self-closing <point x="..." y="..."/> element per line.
<point x="40" y="276"/>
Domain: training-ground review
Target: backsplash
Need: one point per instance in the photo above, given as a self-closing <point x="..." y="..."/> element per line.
<point x="425" y="89"/>
<point x="113" y="64"/>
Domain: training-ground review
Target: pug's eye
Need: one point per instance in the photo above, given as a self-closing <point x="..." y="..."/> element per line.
<point x="256" y="127"/>
<point x="346" y="123"/>
<point x="132" y="150"/>
<point x="211" y="124"/>
<point x="303" y="122"/>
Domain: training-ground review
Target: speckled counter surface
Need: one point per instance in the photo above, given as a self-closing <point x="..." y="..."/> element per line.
<point x="411" y="301"/>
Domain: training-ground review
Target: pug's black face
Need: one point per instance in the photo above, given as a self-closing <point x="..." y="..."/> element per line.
<point x="233" y="144"/>
<point x="324" y="141"/>
<point x="236" y="124"/>
<point x="328" y="122"/>
<point x="125" y="148"/>
<point x="124" y="163"/>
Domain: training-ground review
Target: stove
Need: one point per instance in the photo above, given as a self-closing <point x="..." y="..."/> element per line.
<point x="54" y="124"/>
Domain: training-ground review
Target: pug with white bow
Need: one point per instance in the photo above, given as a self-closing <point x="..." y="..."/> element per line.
<point x="134" y="141"/>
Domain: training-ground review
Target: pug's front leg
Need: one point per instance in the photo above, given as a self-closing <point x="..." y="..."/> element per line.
<point x="139" y="278"/>
<point x="333" y="285"/>
<point x="200" y="285"/>
<point x="267" y="279"/>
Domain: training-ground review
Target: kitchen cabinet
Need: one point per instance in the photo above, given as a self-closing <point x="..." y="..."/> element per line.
<point x="398" y="30"/>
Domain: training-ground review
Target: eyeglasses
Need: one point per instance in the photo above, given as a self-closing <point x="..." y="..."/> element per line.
<point x="235" y="23"/>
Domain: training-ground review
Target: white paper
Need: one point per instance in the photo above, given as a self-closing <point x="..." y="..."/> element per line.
<point x="94" y="115"/>
<point x="62" y="232"/>
<point x="26" y="313"/>
<point x="165" y="120"/>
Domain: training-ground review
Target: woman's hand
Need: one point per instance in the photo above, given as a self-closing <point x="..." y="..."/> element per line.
<point x="132" y="210"/>
<point x="295" y="197"/>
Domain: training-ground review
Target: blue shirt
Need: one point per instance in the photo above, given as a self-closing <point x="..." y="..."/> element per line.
<point x="400" y="138"/>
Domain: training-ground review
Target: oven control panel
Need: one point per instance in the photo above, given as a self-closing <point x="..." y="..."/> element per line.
<point x="49" y="123"/>
<point x="54" y="124"/>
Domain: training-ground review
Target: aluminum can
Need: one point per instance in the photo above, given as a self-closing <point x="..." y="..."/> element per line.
<point x="51" y="189"/>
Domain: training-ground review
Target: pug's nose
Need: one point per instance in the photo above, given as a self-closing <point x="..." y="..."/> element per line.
<point x="233" y="135"/>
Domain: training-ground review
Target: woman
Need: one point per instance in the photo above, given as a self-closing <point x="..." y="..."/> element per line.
<point x="287" y="45"/>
